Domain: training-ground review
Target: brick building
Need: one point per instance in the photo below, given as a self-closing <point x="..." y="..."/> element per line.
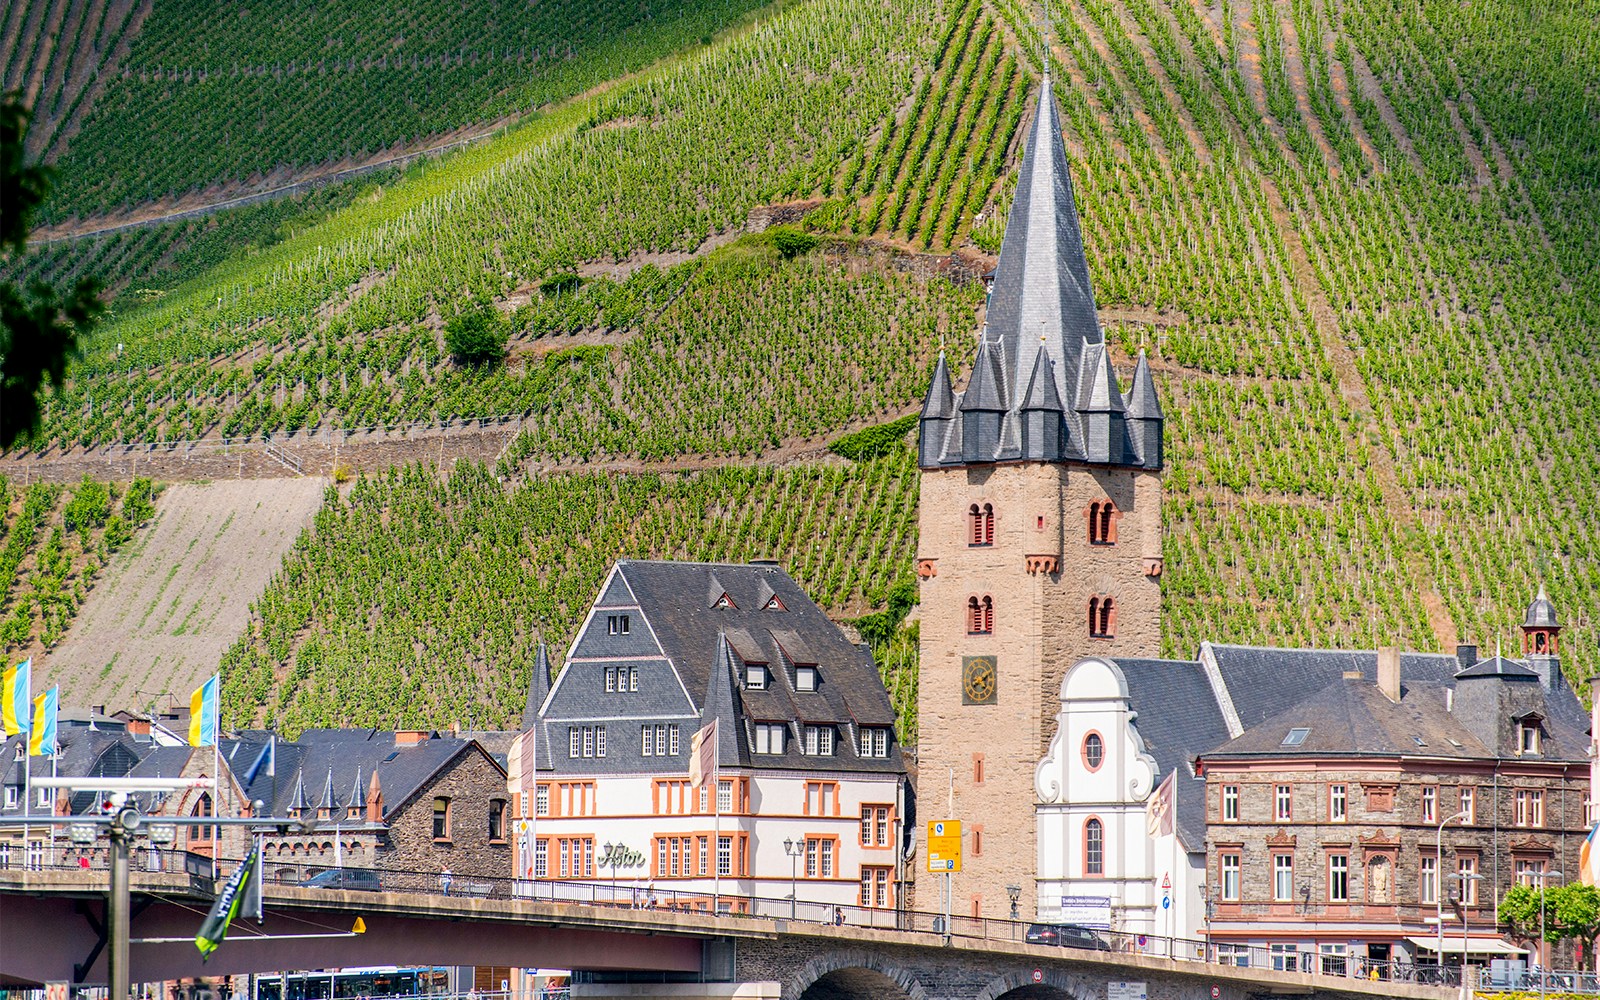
<point x="1040" y="528"/>
<point x="1342" y="826"/>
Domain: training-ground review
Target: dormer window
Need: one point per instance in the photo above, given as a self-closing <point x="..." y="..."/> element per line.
<point x="805" y="678"/>
<point x="617" y="624"/>
<point x="1528" y="736"/>
<point x="774" y="604"/>
<point x="874" y="741"/>
<point x="819" y="741"/>
<point x="755" y="677"/>
<point x="726" y="602"/>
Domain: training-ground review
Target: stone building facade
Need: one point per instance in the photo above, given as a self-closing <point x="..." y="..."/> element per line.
<point x="1040" y="531"/>
<point x="1341" y="829"/>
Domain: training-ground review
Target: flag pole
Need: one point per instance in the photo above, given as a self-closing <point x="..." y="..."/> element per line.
<point x="216" y="771"/>
<point x="716" y="812"/>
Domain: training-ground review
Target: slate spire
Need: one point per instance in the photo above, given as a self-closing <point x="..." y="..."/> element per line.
<point x="1043" y="277"/>
<point x="984" y="404"/>
<point x="938" y="412"/>
<point x="328" y="800"/>
<point x="1144" y="416"/>
<point x="1101" y="410"/>
<point x="718" y="703"/>
<point x="538" y="687"/>
<point x="1043" y="429"/>
<point x="358" y="793"/>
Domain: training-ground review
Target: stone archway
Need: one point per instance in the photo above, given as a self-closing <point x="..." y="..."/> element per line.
<point x="1053" y="985"/>
<point x="852" y="975"/>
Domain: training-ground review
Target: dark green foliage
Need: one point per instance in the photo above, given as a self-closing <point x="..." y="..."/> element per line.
<point x="39" y="327"/>
<point x="138" y="504"/>
<point x="559" y="284"/>
<point x="870" y="442"/>
<point x="478" y="336"/>
<point x="89" y="506"/>
<point x="792" y="242"/>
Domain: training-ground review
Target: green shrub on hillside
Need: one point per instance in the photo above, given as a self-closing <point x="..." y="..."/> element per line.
<point x="478" y="336"/>
<point x="792" y="242"/>
<point x="870" y="442"/>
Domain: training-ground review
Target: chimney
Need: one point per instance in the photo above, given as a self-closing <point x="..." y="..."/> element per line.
<point x="409" y="737"/>
<point x="1466" y="656"/>
<point x="139" y="727"/>
<point x="1389" y="672"/>
<point x="98" y="709"/>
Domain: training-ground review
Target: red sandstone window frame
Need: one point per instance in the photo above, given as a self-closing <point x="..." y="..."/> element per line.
<point x="1230" y="797"/>
<point x="1429" y="803"/>
<point x="1338" y="802"/>
<point x="1230" y="894"/>
<point x="1283" y="804"/>
<point x="1099" y="751"/>
<point x="1102" y="617"/>
<point x="980" y="525"/>
<point x="1343" y="884"/>
<point x="877" y="819"/>
<point x="980" y="614"/>
<point x="1102" y="517"/>
<point x="877" y="887"/>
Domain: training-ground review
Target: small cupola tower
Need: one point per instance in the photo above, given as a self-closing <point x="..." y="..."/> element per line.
<point x="1540" y="627"/>
<point x="938" y="411"/>
<point x="983" y="406"/>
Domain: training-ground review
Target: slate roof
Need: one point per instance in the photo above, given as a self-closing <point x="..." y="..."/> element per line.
<point x="1041" y="327"/>
<point x="82" y="751"/>
<point x="1353" y="718"/>
<point x="679" y="640"/>
<point x="1541" y="613"/>
<point x="1177" y="718"/>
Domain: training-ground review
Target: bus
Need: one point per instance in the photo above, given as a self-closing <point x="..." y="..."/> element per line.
<point x="355" y="984"/>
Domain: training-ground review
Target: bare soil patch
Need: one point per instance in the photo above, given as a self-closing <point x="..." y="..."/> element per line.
<point x="171" y="603"/>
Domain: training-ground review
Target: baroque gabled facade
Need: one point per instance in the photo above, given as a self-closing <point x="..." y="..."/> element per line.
<point x="1040" y="529"/>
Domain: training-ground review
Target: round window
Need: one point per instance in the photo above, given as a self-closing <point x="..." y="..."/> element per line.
<point x="1093" y="750"/>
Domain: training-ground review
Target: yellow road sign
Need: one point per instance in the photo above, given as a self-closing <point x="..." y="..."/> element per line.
<point x="944" y="845"/>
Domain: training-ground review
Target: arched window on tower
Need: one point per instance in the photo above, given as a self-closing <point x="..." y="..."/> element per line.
<point x="201" y="808"/>
<point x="1102" y="617"/>
<point x="980" y="524"/>
<point x="980" y="615"/>
<point x="1103" y="515"/>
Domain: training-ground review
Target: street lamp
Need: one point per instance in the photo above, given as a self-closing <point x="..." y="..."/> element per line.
<point x="1540" y="877"/>
<point x="611" y="855"/>
<point x="1466" y="880"/>
<point x="794" y="851"/>
<point x="1438" y="880"/>
<point x="1014" y="893"/>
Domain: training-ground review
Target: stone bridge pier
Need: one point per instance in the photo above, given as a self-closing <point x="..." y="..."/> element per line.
<point x="826" y="963"/>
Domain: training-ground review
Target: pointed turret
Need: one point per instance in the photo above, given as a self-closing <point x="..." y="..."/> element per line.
<point x="358" y="793"/>
<point x="298" y="802"/>
<point x="329" y="802"/>
<point x="1101" y="411"/>
<point x="1144" y="417"/>
<point x="1541" y="637"/>
<point x="1042" y="276"/>
<point x="938" y="413"/>
<point x="1043" y="429"/>
<point x="538" y="687"/>
<point x="983" y="406"/>
<point x="719" y="704"/>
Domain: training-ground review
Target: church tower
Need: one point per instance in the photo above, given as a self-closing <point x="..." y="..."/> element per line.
<point x="1040" y="533"/>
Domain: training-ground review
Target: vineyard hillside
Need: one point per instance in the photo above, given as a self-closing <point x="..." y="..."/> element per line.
<point x="1356" y="239"/>
<point x="174" y="599"/>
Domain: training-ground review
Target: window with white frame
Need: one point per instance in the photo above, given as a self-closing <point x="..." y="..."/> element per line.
<point x="1229" y="868"/>
<point x="647" y="740"/>
<point x="1285" y="957"/>
<point x="599" y="741"/>
<point x="1430" y="804"/>
<point x="1283" y="803"/>
<point x="1234" y="954"/>
<point x="1528" y="872"/>
<point x="1338" y="802"/>
<point x="874" y="741"/>
<point x="805" y="678"/>
<point x="1334" y="958"/>
<point x="1468" y="804"/>
<point x="541" y="800"/>
<point x="35" y="855"/>
<point x="541" y="858"/>
<point x="1467" y="877"/>
<point x="724" y="855"/>
<point x="617" y="624"/>
<point x="1529" y="807"/>
<point x="819" y="741"/>
<point x="769" y="737"/>
<point x="1428" y="881"/>
<point x="1230" y="803"/>
<point x="755" y="677"/>
<point x="1282" y="877"/>
<point x="661" y="739"/>
<point x="1338" y="878"/>
<point x="673" y="744"/>
<point x="588" y="741"/>
<point x="1528" y="736"/>
<point x="13" y="793"/>
<point x="725" y="796"/>
<point x="5" y="854"/>
<point x="611" y="679"/>
<point x="574" y="742"/>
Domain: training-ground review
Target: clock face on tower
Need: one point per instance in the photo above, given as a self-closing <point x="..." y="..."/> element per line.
<point x="978" y="682"/>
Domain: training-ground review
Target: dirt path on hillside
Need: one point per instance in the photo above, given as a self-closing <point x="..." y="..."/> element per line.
<point x="171" y="603"/>
<point x="1339" y="80"/>
<point x="1126" y="90"/>
<point x="1153" y="64"/>
<point x="1295" y="65"/>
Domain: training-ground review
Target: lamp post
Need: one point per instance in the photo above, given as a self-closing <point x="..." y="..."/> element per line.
<point x="612" y="851"/>
<point x="794" y="851"/>
<point x="1541" y="877"/>
<point x="1438" y="881"/>
<point x="1014" y="893"/>
<point x="1466" y="880"/>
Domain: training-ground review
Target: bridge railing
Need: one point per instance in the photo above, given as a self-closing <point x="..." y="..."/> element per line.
<point x="631" y="894"/>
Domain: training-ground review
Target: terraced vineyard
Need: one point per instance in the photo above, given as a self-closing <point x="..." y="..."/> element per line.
<point x="216" y="96"/>
<point x="1356" y="237"/>
<point x="53" y="544"/>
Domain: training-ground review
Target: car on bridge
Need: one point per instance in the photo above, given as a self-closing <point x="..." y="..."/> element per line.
<point x="362" y="879"/>
<point x="1067" y="936"/>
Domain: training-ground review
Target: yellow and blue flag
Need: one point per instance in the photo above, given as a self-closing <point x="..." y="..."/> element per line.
<point x="14" y="698"/>
<point x="43" y="741"/>
<point x="203" y="714"/>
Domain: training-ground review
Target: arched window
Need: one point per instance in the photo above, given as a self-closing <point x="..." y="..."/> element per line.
<point x="980" y="615"/>
<point x="1094" y="848"/>
<point x="1094" y="751"/>
<point x="201" y="808"/>
<point x="980" y="524"/>
<point x="1102" y="617"/>
<point x="1103" y="516"/>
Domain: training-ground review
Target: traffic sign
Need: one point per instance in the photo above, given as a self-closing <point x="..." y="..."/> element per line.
<point x="1166" y="881"/>
<point x="944" y="846"/>
<point x="1038" y="975"/>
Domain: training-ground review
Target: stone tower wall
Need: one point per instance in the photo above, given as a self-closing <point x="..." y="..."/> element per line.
<point x="1041" y="572"/>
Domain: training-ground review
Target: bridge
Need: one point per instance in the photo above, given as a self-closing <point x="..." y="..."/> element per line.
<point x="52" y="930"/>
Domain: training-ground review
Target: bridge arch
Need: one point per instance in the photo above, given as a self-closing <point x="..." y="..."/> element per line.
<point x="1018" y="984"/>
<point x="846" y="975"/>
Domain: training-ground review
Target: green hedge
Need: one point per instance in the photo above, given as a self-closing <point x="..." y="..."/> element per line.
<point x="870" y="442"/>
